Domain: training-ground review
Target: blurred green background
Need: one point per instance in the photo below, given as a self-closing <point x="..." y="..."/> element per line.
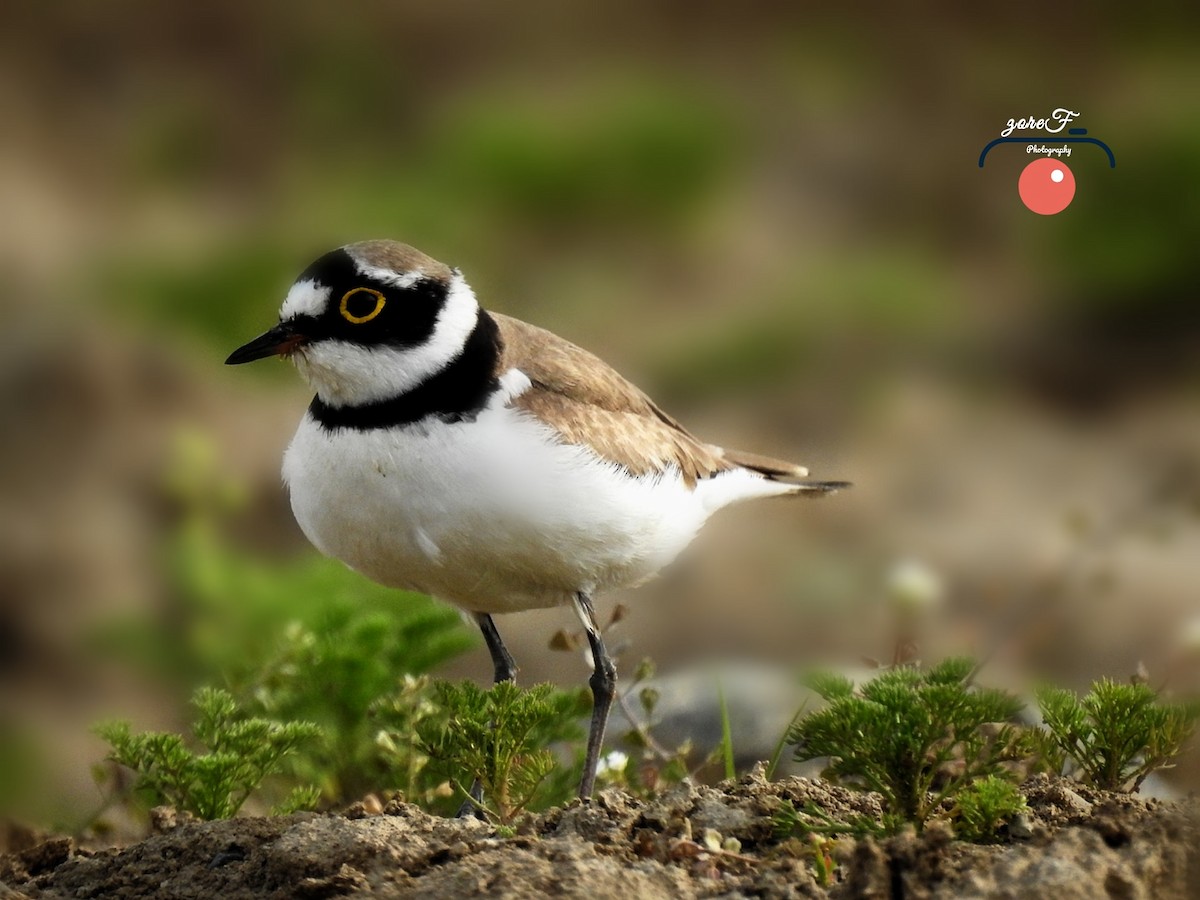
<point x="771" y="218"/>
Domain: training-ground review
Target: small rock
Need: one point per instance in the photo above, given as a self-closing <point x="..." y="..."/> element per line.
<point x="1074" y="801"/>
<point x="756" y="775"/>
<point x="346" y="880"/>
<point x="400" y="809"/>
<point x="1020" y="829"/>
<point x="715" y="813"/>
<point x="369" y="805"/>
<point x="165" y="819"/>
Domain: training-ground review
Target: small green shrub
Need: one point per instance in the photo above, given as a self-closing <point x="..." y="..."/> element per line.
<point x="984" y="806"/>
<point x="1115" y="736"/>
<point x="501" y="737"/>
<point x="241" y="752"/>
<point x="357" y="673"/>
<point x="917" y="738"/>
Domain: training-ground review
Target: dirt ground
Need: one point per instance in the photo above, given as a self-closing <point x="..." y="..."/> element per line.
<point x="1073" y="843"/>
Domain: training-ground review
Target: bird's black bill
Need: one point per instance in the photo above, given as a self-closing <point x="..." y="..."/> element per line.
<point x="282" y="340"/>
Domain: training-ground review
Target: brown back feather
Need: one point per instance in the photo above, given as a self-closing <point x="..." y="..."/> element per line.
<point x="588" y="402"/>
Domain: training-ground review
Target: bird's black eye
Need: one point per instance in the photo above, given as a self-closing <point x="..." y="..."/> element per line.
<point x="361" y="305"/>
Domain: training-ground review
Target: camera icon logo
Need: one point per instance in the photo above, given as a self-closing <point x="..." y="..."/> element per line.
<point x="1047" y="184"/>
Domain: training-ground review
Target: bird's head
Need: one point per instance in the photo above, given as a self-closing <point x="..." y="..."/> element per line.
<point x="368" y="322"/>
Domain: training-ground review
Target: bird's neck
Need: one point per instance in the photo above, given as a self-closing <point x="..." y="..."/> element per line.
<point x="457" y="391"/>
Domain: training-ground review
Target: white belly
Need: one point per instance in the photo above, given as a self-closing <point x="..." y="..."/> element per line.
<point x="492" y="515"/>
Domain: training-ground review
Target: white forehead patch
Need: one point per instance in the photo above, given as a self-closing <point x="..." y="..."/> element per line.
<point x="401" y="280"/>
<point x="306" y="298"/>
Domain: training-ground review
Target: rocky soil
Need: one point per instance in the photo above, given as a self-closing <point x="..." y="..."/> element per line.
<point x="1073" y="843"/>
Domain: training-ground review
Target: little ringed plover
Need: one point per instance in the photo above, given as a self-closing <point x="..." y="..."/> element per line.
<point x="487" y="462"/>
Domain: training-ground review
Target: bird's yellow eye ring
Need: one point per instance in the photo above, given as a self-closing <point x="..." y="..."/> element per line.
<point x="351" y="299"/>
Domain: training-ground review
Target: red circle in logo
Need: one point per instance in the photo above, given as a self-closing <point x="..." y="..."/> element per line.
<point x="1046" y="186"/>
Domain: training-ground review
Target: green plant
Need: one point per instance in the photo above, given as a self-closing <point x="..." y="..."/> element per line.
<point x="787" y="821"/>
<point x="823" y="864"/>
<point x="356" y="672"/>
<point x="819" y="833"/>
<point x="917" y="738"/>
<point x="984" y="805"/>
<point x="1115" y="736"/>
<point x="242" y="751"/>
<point x="726" y="747"/>
<point x="501" y="738"/>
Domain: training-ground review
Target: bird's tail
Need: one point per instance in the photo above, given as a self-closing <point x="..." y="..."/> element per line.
<point x="818" y="488"/>
<point x="782" y="471"/>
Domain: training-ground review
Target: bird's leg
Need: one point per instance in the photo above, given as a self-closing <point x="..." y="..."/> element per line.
<point x="505" y="666"/>
<point x="604" y="687"/>
<point x="505" y="669"/>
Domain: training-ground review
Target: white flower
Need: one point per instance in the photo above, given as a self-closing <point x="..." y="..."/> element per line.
<point x="614" y="763"/>
<point x="914" y="587"/>
<point x="1189" y="637"/>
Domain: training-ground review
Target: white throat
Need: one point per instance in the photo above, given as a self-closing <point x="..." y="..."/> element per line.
<point x="347" y="374"/>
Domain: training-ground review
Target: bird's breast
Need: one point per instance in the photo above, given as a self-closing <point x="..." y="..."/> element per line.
<point x="494" y="514"/>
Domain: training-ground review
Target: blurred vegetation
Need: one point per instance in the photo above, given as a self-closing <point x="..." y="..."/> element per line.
<point x="252" y="620"/>
<point x="625" y="158"/>
<point x="1143" y="254"/>
<point x="522" y="142"/>
<point x="632" y="156"/>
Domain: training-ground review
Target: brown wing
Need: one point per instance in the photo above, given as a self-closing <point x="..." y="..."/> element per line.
<point x="588" y="402"/>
